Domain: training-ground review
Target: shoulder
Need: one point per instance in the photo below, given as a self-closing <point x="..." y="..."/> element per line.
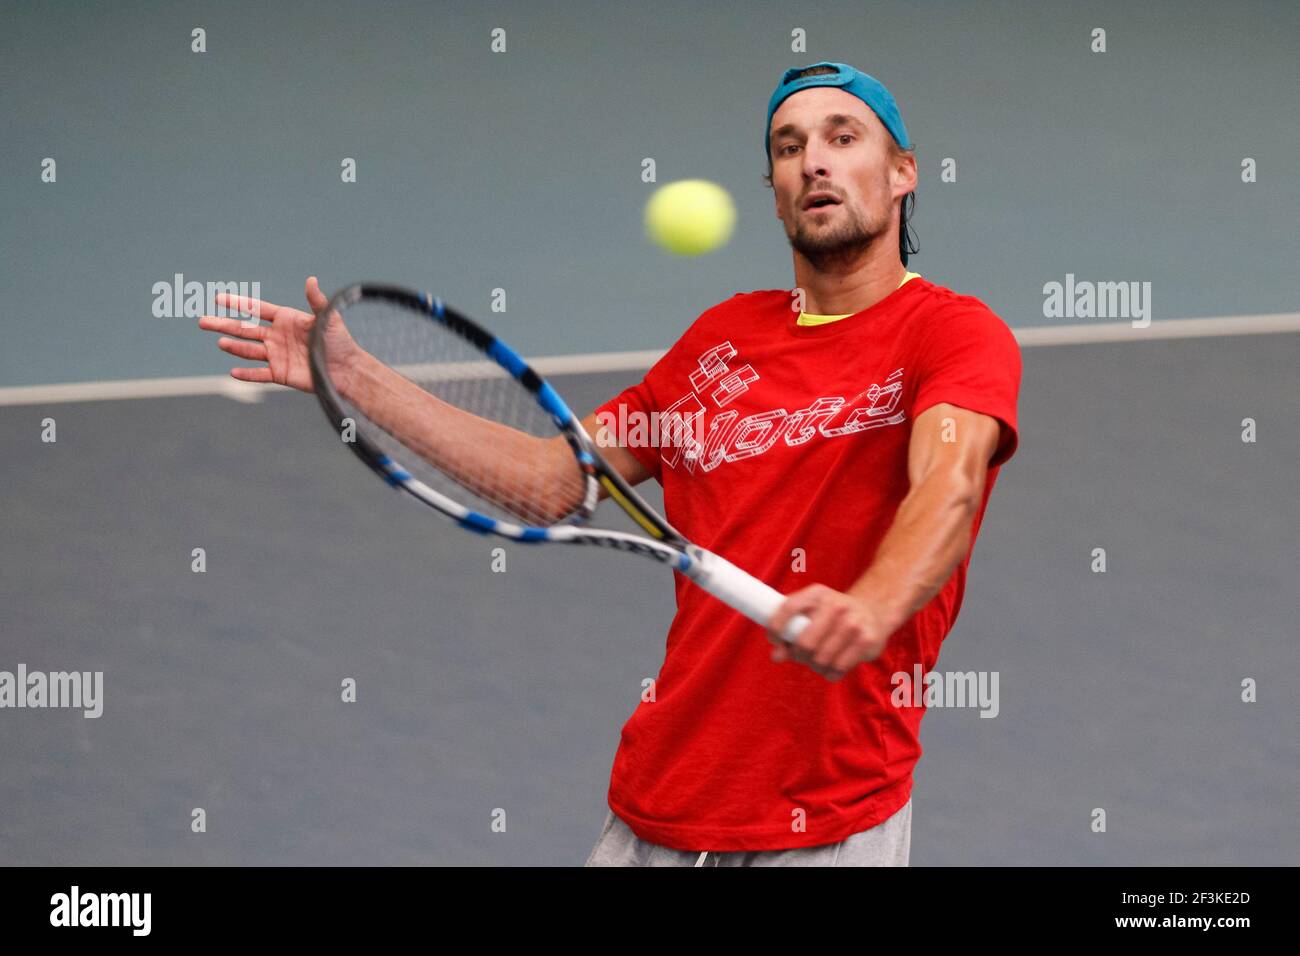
<point x="745" y="304"/>
<point x="943" y="315"/>
<point x="739" y="311"/>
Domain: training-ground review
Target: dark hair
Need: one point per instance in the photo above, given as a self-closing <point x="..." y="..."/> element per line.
<point x="907" y="244"/>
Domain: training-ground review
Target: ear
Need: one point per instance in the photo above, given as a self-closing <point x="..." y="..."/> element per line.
<point x="904" y="174"/>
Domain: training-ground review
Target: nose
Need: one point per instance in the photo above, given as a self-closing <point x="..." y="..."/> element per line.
<point x="815" y="164"/>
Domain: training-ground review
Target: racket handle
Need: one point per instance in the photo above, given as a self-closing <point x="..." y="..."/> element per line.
<point x="740" y="590"/>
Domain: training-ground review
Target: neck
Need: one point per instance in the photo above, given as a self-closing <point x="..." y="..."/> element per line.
<point x="851" y="286"/>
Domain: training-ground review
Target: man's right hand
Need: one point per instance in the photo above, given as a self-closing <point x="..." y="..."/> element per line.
<point x="282" y="345"/>
<point x="283" y="348"/>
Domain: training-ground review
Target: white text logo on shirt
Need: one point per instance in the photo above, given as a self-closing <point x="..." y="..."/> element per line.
<point x="715" y="384"/>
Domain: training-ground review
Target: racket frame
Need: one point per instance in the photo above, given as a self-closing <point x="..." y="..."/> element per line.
<point x="664" y="543"/>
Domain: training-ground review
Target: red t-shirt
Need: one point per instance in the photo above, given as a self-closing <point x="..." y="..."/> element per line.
<point x="804" y="446"/>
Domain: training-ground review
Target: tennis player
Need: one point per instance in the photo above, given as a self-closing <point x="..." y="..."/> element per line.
<point x="838" y="441"/>
<point x="851" y="434"/>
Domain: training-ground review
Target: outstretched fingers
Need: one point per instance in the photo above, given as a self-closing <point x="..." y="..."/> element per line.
<point x="236" y="327"/>
<point x="252" y="351"/>
<point x="249" y="306"/>
<point x="260" y="373"/>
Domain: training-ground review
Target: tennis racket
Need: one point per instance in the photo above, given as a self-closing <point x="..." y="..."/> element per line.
<point x="442" y="409"/>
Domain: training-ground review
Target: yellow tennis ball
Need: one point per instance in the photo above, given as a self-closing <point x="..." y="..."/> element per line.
<point x="690" y="217"/>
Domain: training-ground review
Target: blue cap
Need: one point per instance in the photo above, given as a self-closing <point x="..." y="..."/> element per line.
<point x="851" y="80"/>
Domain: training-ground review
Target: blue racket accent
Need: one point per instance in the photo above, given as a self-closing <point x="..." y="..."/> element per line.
<point x="394" y="473"/>
<point x="547" y="397"/>
<point x="683" y="562"/>
<point x="586" y="459"/>
<point x="479" y="523"/>
<point x="507" y="358"/>
<point x="554" y="404"/>
<point x="532" y="535"/>
<point x="433" y="303"/>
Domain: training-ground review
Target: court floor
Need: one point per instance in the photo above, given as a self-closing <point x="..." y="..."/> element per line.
<point x="480" y="691"/>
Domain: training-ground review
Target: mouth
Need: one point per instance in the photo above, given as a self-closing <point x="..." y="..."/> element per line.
<point x="821" y="200"/>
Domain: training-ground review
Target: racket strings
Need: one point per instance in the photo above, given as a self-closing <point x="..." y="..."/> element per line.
<point x="450" y="415"/>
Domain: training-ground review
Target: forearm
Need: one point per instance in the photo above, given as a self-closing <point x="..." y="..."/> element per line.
<point x="496" y="462"/>
<point x="928" y="539"/>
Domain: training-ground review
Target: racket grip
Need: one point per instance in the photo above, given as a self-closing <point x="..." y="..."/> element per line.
<point x="740" y="590"/>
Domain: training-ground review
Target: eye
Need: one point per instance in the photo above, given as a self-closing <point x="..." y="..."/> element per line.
<point x="848" y="136"/>
<point x="782" y="150"/>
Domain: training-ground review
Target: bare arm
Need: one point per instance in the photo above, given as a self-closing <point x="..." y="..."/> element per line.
<point x="536" y="479"/>
<point x="947" y="467"/>
<point x="502" y="464"/>
<point x="619" y="458"/>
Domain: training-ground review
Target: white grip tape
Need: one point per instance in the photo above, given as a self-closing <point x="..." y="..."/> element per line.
<point x="739" y="589"/>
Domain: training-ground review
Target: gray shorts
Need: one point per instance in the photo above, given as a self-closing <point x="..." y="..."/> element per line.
<point x="886" y="844"/>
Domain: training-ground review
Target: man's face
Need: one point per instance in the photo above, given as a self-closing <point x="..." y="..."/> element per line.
<point x="828" y="142"/>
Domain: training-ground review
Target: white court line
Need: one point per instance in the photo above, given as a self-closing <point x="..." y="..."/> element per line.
<point x="253" y="392"/>
<point x="1086" y="334"/>
<point x="1096" y="332"/>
